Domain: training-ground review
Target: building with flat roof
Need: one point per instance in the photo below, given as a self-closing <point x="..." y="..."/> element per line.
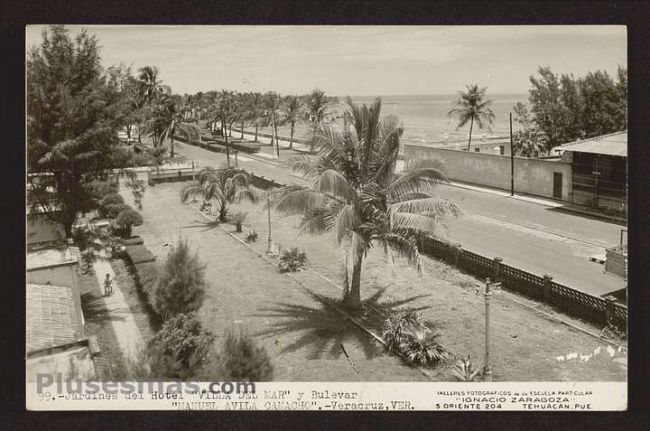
<point x="599" y="171"/>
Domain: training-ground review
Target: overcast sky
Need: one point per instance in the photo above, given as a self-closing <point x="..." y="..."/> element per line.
<point x="357" y="60"/>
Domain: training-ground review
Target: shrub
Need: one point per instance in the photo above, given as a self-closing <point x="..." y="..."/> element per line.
<point x="420" y="346"/>
<point x="292" y="260"/>
<point x="139" y="254"/>
<point x="180" y="348"/>
<point x="100" y="188"/>
<point x="113" y="210"/>
<point x="147" y="277"/>
<point x="251" y="236"/>
<point x="238" y="219"/>
<point x="396" y="327"/>
<point x="181" y="286"/>
<point x="464" y="370"/>
<point x="109" y="204"/>
<point x="126" y="219"/>
<point x="405" y="333"/>
<point x="134" y="240"/>
<point x="242" y="359"/>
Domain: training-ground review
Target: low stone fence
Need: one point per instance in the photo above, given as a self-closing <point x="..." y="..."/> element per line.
<point x="597" y="310"/>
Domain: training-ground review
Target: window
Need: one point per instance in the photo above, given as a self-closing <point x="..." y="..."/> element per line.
<point x="502" y="149"/>
<point x="477" y="150"/>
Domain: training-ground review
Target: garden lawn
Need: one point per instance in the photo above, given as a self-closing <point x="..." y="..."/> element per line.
<point x="302" y="337"/>
<point x="525" y="344"/>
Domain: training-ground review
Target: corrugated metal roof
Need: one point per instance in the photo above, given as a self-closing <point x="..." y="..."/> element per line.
<point x="613" y="144"/>
<point x="51" y="316"/>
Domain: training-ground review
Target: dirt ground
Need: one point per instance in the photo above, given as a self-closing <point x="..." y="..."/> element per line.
<point x="304" y="338"/>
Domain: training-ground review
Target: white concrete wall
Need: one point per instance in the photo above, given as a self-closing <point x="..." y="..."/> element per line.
<point x="532" y="176"/>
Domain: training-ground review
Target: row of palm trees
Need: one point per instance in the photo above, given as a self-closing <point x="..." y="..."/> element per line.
<point x="358" y="193"/>
<point x="228" y="108"/>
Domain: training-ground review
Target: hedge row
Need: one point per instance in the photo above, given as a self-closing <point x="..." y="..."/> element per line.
<point x="139" y="254"/>
<point x="134" y="240"/>
<point x="147" y="276"/>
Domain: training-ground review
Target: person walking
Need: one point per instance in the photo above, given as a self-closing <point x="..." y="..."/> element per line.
<point x="108" y="285"/>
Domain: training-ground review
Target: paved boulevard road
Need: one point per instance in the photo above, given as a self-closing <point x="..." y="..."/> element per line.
<point x="529" y="236"/>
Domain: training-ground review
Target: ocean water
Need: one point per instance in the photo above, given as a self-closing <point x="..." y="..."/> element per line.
<point x="425" y="118"/>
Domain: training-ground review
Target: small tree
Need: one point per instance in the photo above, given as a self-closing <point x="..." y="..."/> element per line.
<point x="126" y="219"/>
<point x="181" y="286"/>
<point x="109" y="203"/>
<point x="180" y="348"/>
<point x="242" y="359"/>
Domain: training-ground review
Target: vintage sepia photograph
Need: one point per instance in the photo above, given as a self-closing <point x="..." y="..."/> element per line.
<point x="251" y="217"/>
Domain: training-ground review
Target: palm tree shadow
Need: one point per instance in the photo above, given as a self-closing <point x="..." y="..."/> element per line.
<point x="208" y="225"/>
<point x="322" y="329"/>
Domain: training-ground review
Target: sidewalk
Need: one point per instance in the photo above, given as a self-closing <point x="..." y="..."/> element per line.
<point x="126" y="331"/>
<point x="535" y="200"/>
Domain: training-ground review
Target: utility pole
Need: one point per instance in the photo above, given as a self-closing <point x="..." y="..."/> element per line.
<point x="512" y="162"/>
<point x="487" y="369"/>
<point x="268" y="207"/>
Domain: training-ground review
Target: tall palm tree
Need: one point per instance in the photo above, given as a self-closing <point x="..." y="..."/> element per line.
<point x="256" y="111"/>
<point x="292" y="113"/>
<point x="274" y="115"/>
<point x="242" y="111"/>
<point x="149" y="86"/>
<point x="224" y="186"/>
<point x="358" y="194"/>
<point x="315" y="103"/>
<point x="472" y="108"/>
<point x="225" y="112"/>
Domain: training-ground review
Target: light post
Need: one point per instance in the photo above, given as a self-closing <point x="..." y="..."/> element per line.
<point x="268" y="207"/>
<point x="512" y="162"/>
<point x="487" y="369"/>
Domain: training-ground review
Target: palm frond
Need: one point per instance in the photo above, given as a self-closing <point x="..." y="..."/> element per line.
<point x="245" y="195"/>
<point x="415" y="181"/>
<point x="301" y="201"/>
<point x="429" y="206"/>
<point x="318" y="221"/>
<point x="405" y="247"/>
<point x="408" y="222"/>
<point x="192" y="191"/>
<point x="345" y="222"/>
<point x="333" y="183"/>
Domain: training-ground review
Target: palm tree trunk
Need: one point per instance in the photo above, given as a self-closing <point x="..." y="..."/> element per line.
<point x="242" y="130"/>
<point x="291" y="138"/>
<point x="256" y="127"/>
<point x="313" y="140"/>
<point x="171" y="146"/>
<point x="471" y="124"/>
<point x="225" y="137"/>
<point x="230" y="129"/>
<point x="353" y="299"/>
<point x="275" y="135"/>
<point x="223" y="211"/>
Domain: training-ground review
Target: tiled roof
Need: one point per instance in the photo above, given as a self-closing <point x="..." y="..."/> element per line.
<point x="51" y="316"/>
<point x="613" y="144"/>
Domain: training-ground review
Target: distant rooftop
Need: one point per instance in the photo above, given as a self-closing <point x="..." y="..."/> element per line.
<point x="49" y="256"/>
<point x="51" y="317"/>
<point x="75" y="362"/>
<point x="613" y="144"/>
